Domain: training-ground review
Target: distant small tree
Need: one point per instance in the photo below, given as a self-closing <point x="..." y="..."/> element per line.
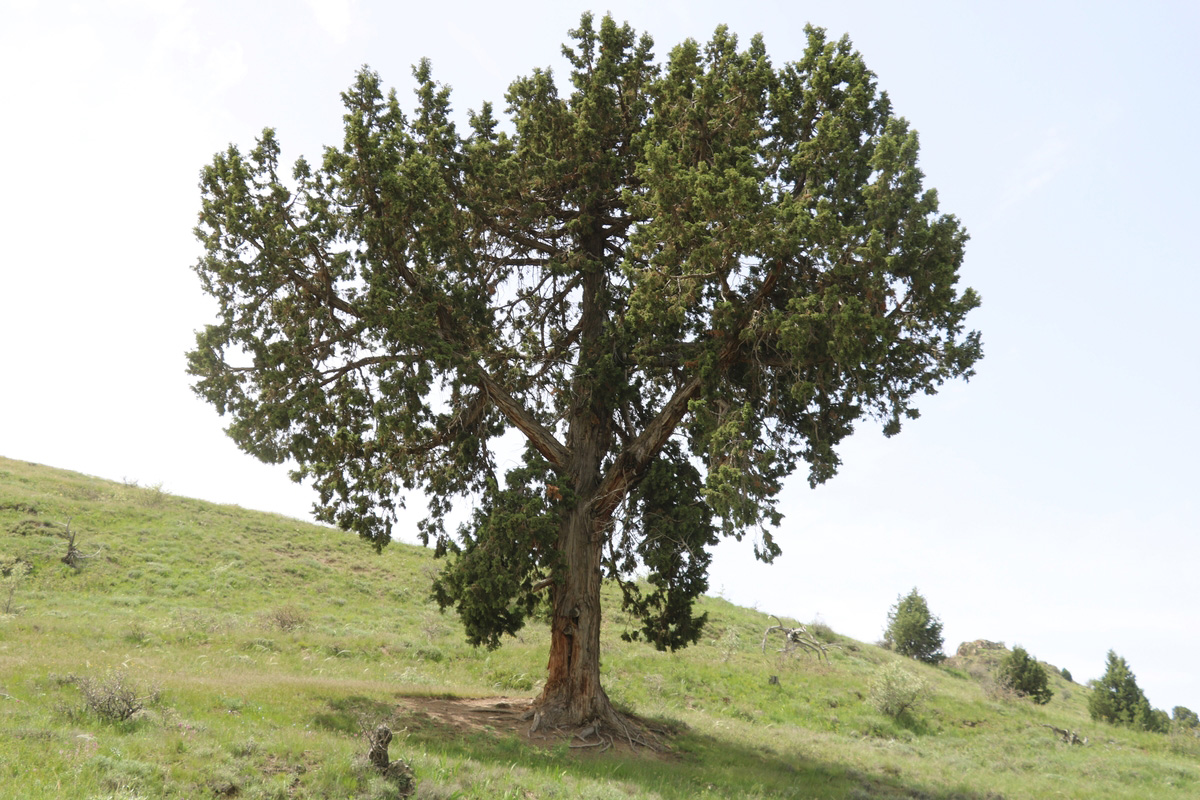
<point x="1159" y="721"/>
<point x="1117" y="699"/>
<point x="1066" y="673"/>
<point x="1184" y="717"/>
<point x="912" y="631"/>
<point x="1024" y="675"/>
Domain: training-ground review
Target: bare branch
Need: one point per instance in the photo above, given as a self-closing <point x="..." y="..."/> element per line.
<point x="541" y="437"/>
<point x="795" y="639"/>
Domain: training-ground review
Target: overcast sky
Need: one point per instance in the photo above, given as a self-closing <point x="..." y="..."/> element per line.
<point x="1050" y="502"/>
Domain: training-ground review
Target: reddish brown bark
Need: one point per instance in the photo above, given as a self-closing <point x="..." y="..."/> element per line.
<point x="573" y="694"/>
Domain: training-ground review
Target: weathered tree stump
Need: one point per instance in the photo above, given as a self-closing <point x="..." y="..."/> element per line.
<point x="379" y="739"/>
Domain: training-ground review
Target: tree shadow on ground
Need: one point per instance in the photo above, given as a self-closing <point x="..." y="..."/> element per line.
<point x="696" y="765"/>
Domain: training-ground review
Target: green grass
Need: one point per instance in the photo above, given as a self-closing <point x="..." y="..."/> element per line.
<point x="273" y="643"/>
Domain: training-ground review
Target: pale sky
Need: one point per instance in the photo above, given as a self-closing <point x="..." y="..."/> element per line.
<point x="1051" y="502"/>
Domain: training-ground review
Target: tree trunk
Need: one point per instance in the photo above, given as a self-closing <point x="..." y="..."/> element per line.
<point x="573" y="695"/>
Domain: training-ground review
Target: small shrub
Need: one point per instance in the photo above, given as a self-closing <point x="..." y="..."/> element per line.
<point x="262" y="645"/>
<point x="1184" y="741"/>
<point x="13" y="572"/>
<point x="430" y="654"/>
<point x="286" y="618"/>
<point x="1025" y="676"/>
<point x="1066" y="673"/>
<point x="821" y="631"/>
<point x="896" y="691"/>
<point x="114" y="698"/>
<point x="996" y="688"/>
<point x="433" y="627"/>
<point x="729" y="643"/>
<point x="153" y="495"/>
<point x="137" y="635"/>
<point x="232" y="705"/>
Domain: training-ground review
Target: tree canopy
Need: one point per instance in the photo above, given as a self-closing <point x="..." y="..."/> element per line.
<point x="1116" y="698"/>
<point x="913" y="631"/>
<point x="1023" y="674"/>
<point x="678" y="282"/>
<point x="1184" y="717"/>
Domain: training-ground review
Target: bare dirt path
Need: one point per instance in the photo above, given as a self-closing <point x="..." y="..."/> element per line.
<point x="513" y="716"/>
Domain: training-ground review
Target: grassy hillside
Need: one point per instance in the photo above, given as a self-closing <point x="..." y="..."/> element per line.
<point x="262" y="648"/>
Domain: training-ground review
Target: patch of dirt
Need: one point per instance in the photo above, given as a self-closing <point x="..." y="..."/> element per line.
<point x="513" y="716"/>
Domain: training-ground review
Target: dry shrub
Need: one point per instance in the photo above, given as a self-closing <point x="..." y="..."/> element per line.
<point x="114" y="697"/>
<point x="285" y="618"/>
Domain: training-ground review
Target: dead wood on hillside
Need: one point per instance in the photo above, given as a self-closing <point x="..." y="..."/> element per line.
<point x="1070" y="737"/>
<point x="796" y="639"/>
<point x="74" y="555"/>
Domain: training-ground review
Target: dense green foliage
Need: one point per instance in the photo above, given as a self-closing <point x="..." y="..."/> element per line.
<point x="1024" y="675"/>
<point x="1185" y="717"/>
<point x="1116" y="698"/>
<point x="912" y="631"/>
<point x="680" y="281"/>
<point x="274" y="641"/>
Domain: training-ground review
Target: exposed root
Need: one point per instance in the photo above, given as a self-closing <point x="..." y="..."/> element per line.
<point x="603" y="731"/>
<point x="516" y="717"/>
<point x="603" y="744"/>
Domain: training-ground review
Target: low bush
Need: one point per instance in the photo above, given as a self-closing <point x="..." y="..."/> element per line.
<point x="114" y="697"/>
<point x="285" y="618"/>
<point x="896" y="691"/>
<point x="12" y="573"/>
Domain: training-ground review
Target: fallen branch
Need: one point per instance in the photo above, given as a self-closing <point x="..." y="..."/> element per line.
<point x="794" y="639"/>
<point x="1070" y="737"/>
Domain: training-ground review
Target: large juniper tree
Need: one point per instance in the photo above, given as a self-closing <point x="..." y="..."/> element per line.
<point x="678" y="281"/>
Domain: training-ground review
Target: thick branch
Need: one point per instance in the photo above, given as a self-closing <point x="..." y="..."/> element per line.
<point x="634" y="459"/>
<point x="538" y="434"/>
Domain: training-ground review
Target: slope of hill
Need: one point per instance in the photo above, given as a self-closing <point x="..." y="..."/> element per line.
<point x="263" y="648"/>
